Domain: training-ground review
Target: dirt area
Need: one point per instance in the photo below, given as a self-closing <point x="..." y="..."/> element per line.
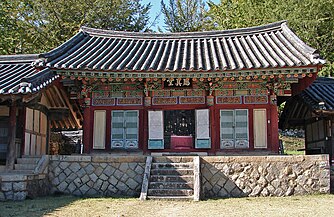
<point x="315" y="205"/>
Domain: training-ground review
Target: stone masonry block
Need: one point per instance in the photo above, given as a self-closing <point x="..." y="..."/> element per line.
<point x="75" y="158"/>
<point x="71" y="177"/>
<point x="64" y="165"/>
<point x="62" y="186"/>
<point x="19" y="186"/>
<point x="108" y="171"/>
<point x="6" y="186"/>
<point x="229" y="186"/>
<point x="124" y="167"/>
<point x="139" y="169"/>
<point x="138" y="178"/>
<point x="67" y="171"/>
<point x="103" y="177"/>
<point x="84" y="189"/>
<point x="98" y="171"/>
<point x="132" y="184"/>
<point x="18" y="196"/>
<point x="124" y="178"/>
<point x="72" y="187"/>
<point x="81" y="173"/>
<point x="93" y="177"/>
<point x="62" y="177"/>
<point x="13" y="178"/>
<point x="75" y="167"/>
<point x="113" y="180"/>
<point x="89" y="169"/>
<point x="9" y="195"/>
<point x="118" y="174"/>
<point x="85" y="179"/>
<point x="104" y="186"/>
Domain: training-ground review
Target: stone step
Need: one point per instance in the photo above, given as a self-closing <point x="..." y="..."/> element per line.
<point x="171" y="178"/>
<point x="25" y="166"/>
<point x="170" y="192"/>
<point x="171" y="197"/>
<point x="179" y="172"/>
<point x="21" y="172"/>
<point x="172" y="159"/>
<point x="188" y="165"/>
<point x="31" y="156"/>
<point x="171" y="185"/>
<point x="31" y="160"/>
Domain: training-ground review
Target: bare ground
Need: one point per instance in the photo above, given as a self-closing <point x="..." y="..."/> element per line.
<point x="315" y="205"/>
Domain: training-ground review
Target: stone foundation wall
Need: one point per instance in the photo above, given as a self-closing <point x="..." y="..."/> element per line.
<point x="264" y="175"/>
<point x="97" y="175"/>
<point x="19" y="187"/>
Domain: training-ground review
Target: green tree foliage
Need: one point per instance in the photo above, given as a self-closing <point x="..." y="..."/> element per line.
<point x="313" y="21"/>
<point x="33" y="26"/>
<point x="184" y="15"/>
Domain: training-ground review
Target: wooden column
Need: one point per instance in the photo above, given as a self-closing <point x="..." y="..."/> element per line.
<point x="274" y="128"/>
<point x="87" y="128"/>
<point x="11" y="148"/>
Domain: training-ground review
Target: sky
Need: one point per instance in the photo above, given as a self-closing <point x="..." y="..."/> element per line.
<point x="156" y="10"/>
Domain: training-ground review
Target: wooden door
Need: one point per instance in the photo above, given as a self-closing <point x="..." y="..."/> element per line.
<point x="155" y="130"/>
<point x="99" y="133"/>
<point x="124" y="129"/>
<point x="234" y="128"/>
<point x="35" y="133"/>
<point x="202" y="129"/>
<point x="260" y="128"/>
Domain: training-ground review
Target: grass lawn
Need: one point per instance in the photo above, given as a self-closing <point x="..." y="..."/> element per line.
<point x="292" y="145"/>
<point x="313" y="205"/>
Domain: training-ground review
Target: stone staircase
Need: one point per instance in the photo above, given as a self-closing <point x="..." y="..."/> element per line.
<point x="26" y="164"/>
<point x="172" y="178"/>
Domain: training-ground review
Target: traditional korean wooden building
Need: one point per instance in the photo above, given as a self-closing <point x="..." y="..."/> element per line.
<point x="214" y="92"/>
<point x="32" y="102"/>
<point x="313" y="110"/>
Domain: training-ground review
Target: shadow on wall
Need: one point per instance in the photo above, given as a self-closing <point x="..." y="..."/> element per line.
<point x="264" y="176"/>
<point x="215" y="184"/>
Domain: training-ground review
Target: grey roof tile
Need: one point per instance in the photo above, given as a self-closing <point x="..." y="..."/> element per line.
<point x="19" y="75"/>
<point x="269" y="46"/>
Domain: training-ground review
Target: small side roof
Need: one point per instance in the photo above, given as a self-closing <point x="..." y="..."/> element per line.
<point x="321" y="90"/>
<point x="18" y="75"/>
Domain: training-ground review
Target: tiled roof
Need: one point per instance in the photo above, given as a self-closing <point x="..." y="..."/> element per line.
<point x="18" y="75"/>
<point x="321" y="90"/>
<point x="268" y="46"/>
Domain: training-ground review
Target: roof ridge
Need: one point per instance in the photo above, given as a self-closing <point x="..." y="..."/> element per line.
<point x="19" y="58"/>
<point x="215" y="33"/>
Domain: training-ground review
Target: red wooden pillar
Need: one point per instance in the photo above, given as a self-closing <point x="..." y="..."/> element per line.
<point x="87" y="129"/>
<point x="144" y="130"/>
<point x="214" y="122"/>
<point x="274" y="128"/>
<point x="11" y="148"/>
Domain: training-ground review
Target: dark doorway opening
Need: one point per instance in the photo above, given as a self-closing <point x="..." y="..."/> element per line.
<point x="179" y="129"/>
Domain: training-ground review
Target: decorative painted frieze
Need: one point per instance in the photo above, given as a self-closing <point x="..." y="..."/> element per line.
<point x="192" y="100"/>
<point x="256" y="99"/>
<point x="164" y="100"/>
<point x="228" y="100"/>
<point x="130" y="101"/>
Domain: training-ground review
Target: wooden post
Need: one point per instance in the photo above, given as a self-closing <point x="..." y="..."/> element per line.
<point x="274" y="128"/>
<point x="87" y="129"/>
<point x="11" y="148"/>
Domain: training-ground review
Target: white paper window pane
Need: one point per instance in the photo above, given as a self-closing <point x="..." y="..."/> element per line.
<point x="156" y="129"/>
<point x="202" y="124"/>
